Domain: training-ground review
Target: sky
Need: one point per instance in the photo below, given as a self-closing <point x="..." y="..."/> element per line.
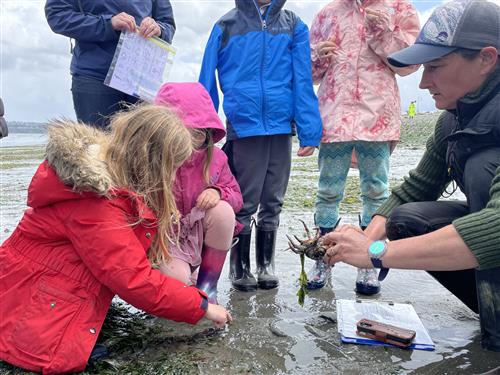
<point x="34" y="62"/>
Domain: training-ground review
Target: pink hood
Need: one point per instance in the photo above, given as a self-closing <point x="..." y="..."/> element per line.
<point x="193" y="105"/>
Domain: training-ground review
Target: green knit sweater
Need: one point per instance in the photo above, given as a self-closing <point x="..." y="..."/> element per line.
<point x="480" y="230"/>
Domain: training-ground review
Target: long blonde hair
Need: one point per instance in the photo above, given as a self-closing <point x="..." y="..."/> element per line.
<point x="147" y="145"/>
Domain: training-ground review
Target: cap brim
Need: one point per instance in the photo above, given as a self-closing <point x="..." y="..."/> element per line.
<point x="418" y="54"/>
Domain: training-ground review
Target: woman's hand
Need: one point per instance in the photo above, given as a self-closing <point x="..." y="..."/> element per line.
<point x="218" y="315"/>
<point x="149" y="28"/>
<point x="208" y="199"/>
<point x="347" y="244"/>
<point x="326" y="49"/>
<point x="123" y="22"/>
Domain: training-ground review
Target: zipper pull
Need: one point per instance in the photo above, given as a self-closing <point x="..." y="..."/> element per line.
<point x="264" y="25"/>
<point x="449" y="171"/>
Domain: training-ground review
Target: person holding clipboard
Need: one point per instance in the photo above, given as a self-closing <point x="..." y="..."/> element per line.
<point x="95" y="26"/>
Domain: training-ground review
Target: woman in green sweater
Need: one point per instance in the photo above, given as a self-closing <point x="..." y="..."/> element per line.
<point x="457" y="242"/>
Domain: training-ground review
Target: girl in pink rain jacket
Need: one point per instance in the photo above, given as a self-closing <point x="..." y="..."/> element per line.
<point x="359" y="105"/>
<point x="206" y="192"/>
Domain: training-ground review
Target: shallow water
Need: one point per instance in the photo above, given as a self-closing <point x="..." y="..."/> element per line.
<point x="272" y="334"/>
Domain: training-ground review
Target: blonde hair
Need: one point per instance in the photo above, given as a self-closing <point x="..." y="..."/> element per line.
<point x="147" y="145"/>
<point x="205" y="136"/>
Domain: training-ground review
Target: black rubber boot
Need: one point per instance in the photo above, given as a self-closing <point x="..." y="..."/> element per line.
<point x="239" y="266"/>
<point x="488" y="290"/>
<point x="265" y="242"/>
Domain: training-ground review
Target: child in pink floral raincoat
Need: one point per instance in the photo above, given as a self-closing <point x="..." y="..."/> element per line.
<point x="206" y="192"/>
<point x="359" y="104"/>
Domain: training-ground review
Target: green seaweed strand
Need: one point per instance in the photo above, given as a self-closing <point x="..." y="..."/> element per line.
<point x="302" y="281"/>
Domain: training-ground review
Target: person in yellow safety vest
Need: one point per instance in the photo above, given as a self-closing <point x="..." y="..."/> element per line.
<point x="412" y="109"/>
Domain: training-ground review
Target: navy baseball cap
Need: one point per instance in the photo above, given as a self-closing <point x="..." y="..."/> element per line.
<point x="469" y="24"/>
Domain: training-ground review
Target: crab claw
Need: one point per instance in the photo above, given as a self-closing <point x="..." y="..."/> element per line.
<point x="295" y="247"/>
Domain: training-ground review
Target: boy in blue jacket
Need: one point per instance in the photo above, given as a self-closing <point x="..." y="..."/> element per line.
<point x="261" y="53"/>
<point x="95" y="26"/>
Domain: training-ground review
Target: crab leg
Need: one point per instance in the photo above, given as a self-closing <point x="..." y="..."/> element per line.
<point x="295" y="247"/>
<point x="306" y="229"/>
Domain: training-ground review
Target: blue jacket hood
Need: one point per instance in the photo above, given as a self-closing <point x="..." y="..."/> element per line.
<point x="250" y="6"/>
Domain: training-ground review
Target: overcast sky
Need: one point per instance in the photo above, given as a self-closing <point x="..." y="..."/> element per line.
<point x="35" y="78"/>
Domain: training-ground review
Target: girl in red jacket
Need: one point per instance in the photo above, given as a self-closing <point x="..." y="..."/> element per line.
<point x="206" y="192"/>
<point x="99" y="206"/>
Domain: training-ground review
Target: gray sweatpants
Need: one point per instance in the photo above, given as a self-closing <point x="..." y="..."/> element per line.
<point x="261" y="166"/>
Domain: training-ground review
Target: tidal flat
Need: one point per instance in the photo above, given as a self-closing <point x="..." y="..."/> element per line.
<point x="271" y="333"/>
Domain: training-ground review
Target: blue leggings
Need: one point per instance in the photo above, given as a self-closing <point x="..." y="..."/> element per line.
<point x="334" y="161"/>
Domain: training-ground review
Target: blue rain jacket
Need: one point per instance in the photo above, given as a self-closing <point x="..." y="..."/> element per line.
<point x="264" y="71"/>
<point x="89" y="23"/>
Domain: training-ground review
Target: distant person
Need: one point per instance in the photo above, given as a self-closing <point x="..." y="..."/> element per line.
<point x="100" y="205"/>
<point x="457" y="242"/>
<point x="261" y="54"/>
<point x="412" y="109"/>
<point x="360" y="107"/>
<point x="4" y="130"/>
<point x="206" y="192"/>
<point x="95" y="26"/>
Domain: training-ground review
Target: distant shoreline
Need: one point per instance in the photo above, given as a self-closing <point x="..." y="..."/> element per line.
<point x="421" y="124"/>
<point x="19" y="127"/>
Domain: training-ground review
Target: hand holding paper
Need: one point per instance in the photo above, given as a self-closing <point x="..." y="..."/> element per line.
<point x="123" y="22"/>
<point x="149" y="28"/>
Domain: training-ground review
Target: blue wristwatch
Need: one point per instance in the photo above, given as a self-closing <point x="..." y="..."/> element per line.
<point x="376" y="251"/>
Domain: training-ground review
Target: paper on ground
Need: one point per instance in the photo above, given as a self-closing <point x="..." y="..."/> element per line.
<point x="140" y="66"/>
<point x="403" y="315"/>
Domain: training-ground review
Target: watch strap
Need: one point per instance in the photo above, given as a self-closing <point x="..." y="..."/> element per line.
<point x="383" y="273"/>
<point x="377" y="263"/>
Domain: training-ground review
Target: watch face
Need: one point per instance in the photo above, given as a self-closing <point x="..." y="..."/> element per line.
<point x="377" y="248"/>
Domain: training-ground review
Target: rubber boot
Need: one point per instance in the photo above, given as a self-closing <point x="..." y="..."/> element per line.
<point x="265" y="243"/>
<point x="367" y="280"/>
<point x="488" y="292"/>
<point x="212" y="261"/>
<point x="239" y="267"/>
<point x="320" y="273"/>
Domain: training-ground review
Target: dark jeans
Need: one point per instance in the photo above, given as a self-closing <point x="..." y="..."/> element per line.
<point x="94" y="102"/>
<point x="479" y="289"/>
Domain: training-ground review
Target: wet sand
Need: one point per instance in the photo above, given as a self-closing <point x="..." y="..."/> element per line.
<point x="272" y="334"/>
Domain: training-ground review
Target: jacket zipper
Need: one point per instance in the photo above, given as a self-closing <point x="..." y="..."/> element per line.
<point x="263" y="22"/>
<point x="453" y="169"/>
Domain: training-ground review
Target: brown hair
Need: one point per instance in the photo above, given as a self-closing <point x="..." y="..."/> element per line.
<point x="147" y="145"/>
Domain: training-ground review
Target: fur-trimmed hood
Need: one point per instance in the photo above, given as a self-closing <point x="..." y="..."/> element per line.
<point x="73" y="165"/>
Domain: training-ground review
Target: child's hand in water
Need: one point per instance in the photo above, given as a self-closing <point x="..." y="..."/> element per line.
<point x="208" y="199"/>
<point x="218" y="315"/>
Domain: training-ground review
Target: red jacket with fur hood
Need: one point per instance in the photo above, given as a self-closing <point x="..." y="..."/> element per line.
<point x="73" y="250"/>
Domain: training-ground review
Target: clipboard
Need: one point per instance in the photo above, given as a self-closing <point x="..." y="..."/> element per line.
<point x="403" y="315"/>
<point x="140" y="66"/>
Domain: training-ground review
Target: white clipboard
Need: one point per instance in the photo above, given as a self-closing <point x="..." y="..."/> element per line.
<point x="403" y="315"/>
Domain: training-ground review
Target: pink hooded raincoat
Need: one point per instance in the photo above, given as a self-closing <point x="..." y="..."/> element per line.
<point x="194" y="106"/>
<point x="358" y="94"/>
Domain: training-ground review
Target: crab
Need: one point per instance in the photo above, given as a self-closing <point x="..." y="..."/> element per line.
<point x="311" y="247"/>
